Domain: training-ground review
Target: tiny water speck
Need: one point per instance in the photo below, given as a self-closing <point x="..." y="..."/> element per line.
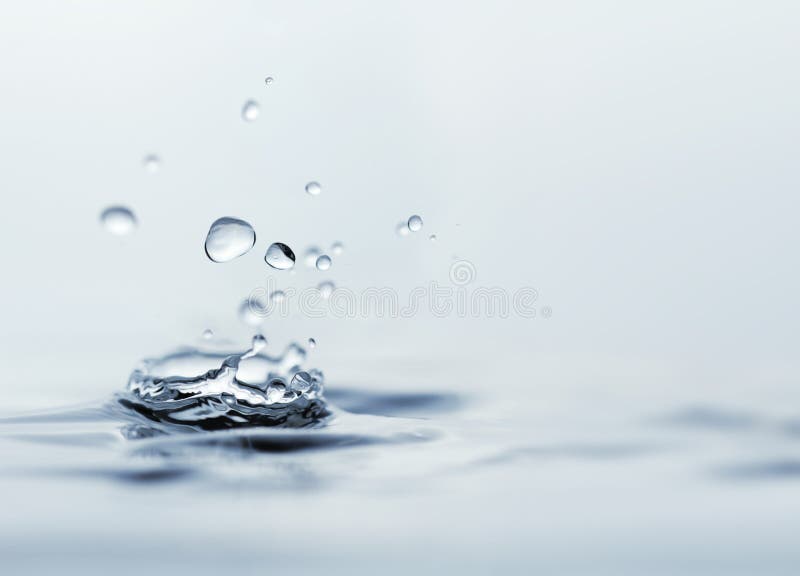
<point x="250" y="111"/>
<point x="415" y="223"/>
<point x="228" y="238"/>
<point x="118" y="220"/>
<point x="313" y="188"/>
<point x="323" y="262"/>
<point x="280" y="256"/>
<point x="152" y="163"/>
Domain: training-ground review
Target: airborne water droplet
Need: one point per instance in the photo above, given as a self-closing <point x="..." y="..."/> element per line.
<point x="279" y="256"/>
<point x="152" y="163"/>
<point x="208" y="334"/>
<point x="323" y="262"/>
<point x="259" y="343"/>
<point x="432" y="237"/>
<point x="415" y="223"/>
<point x="229" y="238"/>
<point x="250" y="111"/>
<point x="311" y="255"/>
<point x="253" y="311"/>
<point x="301" y="382"/>
<point x="312" y="343"/>
<point x="278" y="296"/>
<point x="269" y="80"/>
<point x="326" y="289"/>
<point x="337" y="248"/>
<point x="118" y="220"/>
<point x="313" y="188"/>
<point x="402" y="229"/>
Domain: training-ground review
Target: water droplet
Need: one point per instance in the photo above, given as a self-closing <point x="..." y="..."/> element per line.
<point x="279" y="256"/>
<point x="432" y="238"/>
<point x="208" y="334"/>
<point x="312" y="343"/>
<point x="402" y="229"/>
<point x="118" y="220"/>
<point x="152" y="163"/>
<point x="326" y="289"/>
<point x="229" y="238"/>
<point x="259" y="343"/>
<point x="323" y="262"/>
<point x="253" y="311"/>
<point x="313" y="188"/>
<point x="278" y="296"/>
<point x="275" y="391"/>
<point x="415" y="223"/>
<point x="301" y="382"/>
<point x="337" y="248"/>
<point x="250" y="111"/>
<point x="311" y="255"/>
<point x="269" y="80"/>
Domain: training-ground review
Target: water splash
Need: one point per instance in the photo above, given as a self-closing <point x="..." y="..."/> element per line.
<point x="199" y="390"/>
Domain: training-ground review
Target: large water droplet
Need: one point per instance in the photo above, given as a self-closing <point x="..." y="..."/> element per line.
<point x="313" y="188"/>
<point x="279" y="256"/>
<point x="402" y="229"/>
<point x="415" y="223"/>
<point x="326" y="289"/>
<point x="323" y="262"/>
<point x="301" y="382"/>
<point x="250" y="111"/>
<point x="337" y="248"/>
<point x="229" y="238"/>
<point x="152" y="163"/>
<point x="118" y="220"/>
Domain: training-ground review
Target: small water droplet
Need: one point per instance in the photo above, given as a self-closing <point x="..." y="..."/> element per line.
<point x="279" y="256"/>
<point x="259" y="343"/>
<point x="229" y="238"/>
<point x="269" y="80"/>
<point x="432" y="238"/>
<point x="278" y="296"/>
<point x="326" y="289"/>
<point x="118" y="220"/>
<point x="313" y="188"/>
<point x="311" y="255"/>
<point x="253" y="311"/>
<point x="301" y="382"/>
<point x="323" y="262"/>
<point x="208" y="334"/>
<point x="250" y="111"/>
<point x="152" y="163"/>
<point x="415" y="223"/>
<point x="312" y="343"/>
<point x="337" y="248"/>
<point x="275" y="391"/>
<point x="402" y="229"/>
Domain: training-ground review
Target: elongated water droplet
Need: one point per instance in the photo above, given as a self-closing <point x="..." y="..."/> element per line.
<point x="250" y="111"/>
<point x="301" y="382"/>
<point x="312" y="343"/>
<point x="275" y="391"/>
<point x="152" y="163"/>
<point x="415" y="223"/>
<point x="118" y="220"/>
<point x="279" y="256"/>
<point x="229" y="238"/>
<point x="313" y="188"/>
<point x="323" y="262"/>
<point x="402" y="229"/>
<point x="337" y="248"/>
<point x="326" y="289"/>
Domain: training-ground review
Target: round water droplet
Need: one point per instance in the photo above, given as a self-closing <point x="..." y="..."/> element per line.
<point x="250" y="111"/>
<point x="310" y="256"/>
<point x="415" y="223"/>
<point x="269" y="80"/>
<point x="432" y="238"/>
<point x="301" y="382"/>
<point x="253" y="311"/>
<point x="229" y="238"/>
<point x="118" y="220"/>
<point x="326" y="289"/>
<point x="279" y="256"/>
<point x="278" y="296"/>
<point x="313" y="188"/>
<point x="312" y="343"/>
<point x="402" y="229"/>
<point x="152" y="163"/>
<point x="207" y="334"/>
<point x="275" y="391"/>
<point x="337" y="248"/>
<point x="323" y="262"/>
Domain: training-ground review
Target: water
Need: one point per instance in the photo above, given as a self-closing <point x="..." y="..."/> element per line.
<point x="118" y="220"/>
<point x="253" y="311"/>
<point x="323" y="262"/>
<point x="152" y="163"/>
<point x="228" y="238"/>
<point x="337" y="248"/>
<point x="313" y="188"/>
<point x="402" y="229"/>
<point x="269" y="80"/>
<point x="310" y="256"/>
<point x="250" y="111"/>
<point x="415" y="223"/>
<point x="278" y="296"/>
<point x="326" y="289"/>
<point x="432" y="238"/>
<point x="312" y="343"/>
<point x="280" y="256"/>
<point x="208" y="334"/>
